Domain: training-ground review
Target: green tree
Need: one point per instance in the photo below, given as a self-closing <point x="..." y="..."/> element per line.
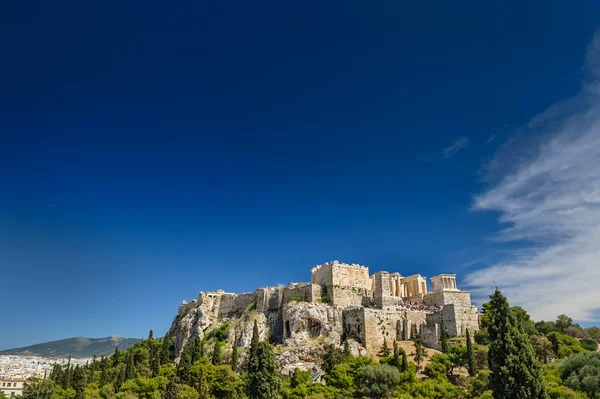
<point x="116" y="357"/>
<point x="165" y="350"/>
<point x="589" y="345"/>
<point x="593" y="332"/>
<point x="185" y="364"/>
<point x="225" y="383"/>
<point x="300" y="377"/>
<point x="331" y="357"/>
<point x="43" y="390"/>
<point x="347" y="349"/>
<point x="563" y="345"/>
<point x="443" y="337"/>
<point x="253" y="349"/>
<point x="515" y="374"/>
<point x="154" y="359"/>
<point x="130" y="371"/>
<point x="581" y="372"/>
<point x="404" y="365"/>
<point x="470" y="356"/>
<point x="562" y="322"/>
<point x="379" y="381"/>
<point x="198" y="349"/>
<point x="524" y="320"/>
<point x="542" y="348"/>
<point x="263" y="381"/>
<point x="420" y="353"/>
<point x="545" y="327"/>
<point x="215" y="357"/>
<point x="234" y="357"/>
<point x="79" y="382"/>
<point x="385" y="349"/>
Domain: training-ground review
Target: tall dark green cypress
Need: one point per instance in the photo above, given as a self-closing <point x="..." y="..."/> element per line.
<point x="404" y="366"/>
<point x="116" y="357"/>
<point x="443" y="337"/>
<point x="347" y="352"/>
<point x="470" y="355"/>
<point x="68" y="375"/>
<point x="185" y="363"/>
<point x="215" y="357"/>
<point x="93" y="368"/>
<point x="385" y="349"/>
<point x="130" y="371"/>
<point x="234" y="357"/>
<point x="263" y="381"/>
<point x="198" y="349"/>
<point x="395" y="355"/>
<point x="79" y="382"/>
<point x="165" y="350"/>
<point x="154" y="358"/>
<point x="515" y="373"/>
<point x="253" y="350"/>
<point x="150" y="335"/>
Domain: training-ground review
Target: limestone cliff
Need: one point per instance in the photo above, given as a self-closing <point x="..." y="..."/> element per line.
<point x="308" y="327"/>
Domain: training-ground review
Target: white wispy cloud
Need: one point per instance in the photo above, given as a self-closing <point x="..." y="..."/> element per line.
<point x="492" y="137"/>
<point x="548" y="194"/>
<point x="458" y="145"/>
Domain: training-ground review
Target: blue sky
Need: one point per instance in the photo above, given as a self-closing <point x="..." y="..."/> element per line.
<point x="148" y="152"/>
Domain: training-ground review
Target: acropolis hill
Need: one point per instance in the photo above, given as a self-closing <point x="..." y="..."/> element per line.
<point x="341" y="302"/>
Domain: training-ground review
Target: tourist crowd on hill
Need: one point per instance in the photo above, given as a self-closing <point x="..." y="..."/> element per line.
<point x="413" y="306"/>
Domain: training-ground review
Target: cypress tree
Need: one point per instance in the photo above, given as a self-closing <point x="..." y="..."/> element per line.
<point x="443" y="337"/>
<point x="253" y="350"/>
<point x="93" y="368"/>
<point x="116" y="356"/>
<point x="385" y="349"/>
<point x="420" y="353"/>
<point x="185" y="364"/>
<point x="396" y="355"/>
<point x="120" y="377"/>
<point x="130" y="366"/>
<point x="216" y="354"/>
<point x="154" y="360"/>
<point x="263" y="376"/>
<point x="234" y="357"/>
<point x="347" y="353"/>
<point x="172" y="390"/>
<point x="470" y="356"/>
<point x="198" y="349"/>
<point x="150" y="335"/>
<point x="67" y="377"/>
<point x="79" y="382"/>
<point x="404" y="366"/>
<point x="165" y="356"/>
<point x="515" y="373"/>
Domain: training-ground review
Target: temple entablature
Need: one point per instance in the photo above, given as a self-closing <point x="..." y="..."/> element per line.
<point x="444" y="282"/>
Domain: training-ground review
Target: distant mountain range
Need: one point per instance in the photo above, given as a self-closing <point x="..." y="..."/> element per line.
<point x="76" y="347"/>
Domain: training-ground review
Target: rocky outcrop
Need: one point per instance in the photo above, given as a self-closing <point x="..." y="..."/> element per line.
<point x="190" y="324"/>
<point x="303" y="320"/>
<point x="241" y="332"/>
<point x="306" y="326"/>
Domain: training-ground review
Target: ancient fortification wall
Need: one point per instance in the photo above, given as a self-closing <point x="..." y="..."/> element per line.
<point x="373" y="307"/>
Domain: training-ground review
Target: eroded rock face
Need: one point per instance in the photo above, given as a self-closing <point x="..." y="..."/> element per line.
<point x="306" y="328"/>
<point x="189" y="325"/>
<point x="304" y="320"/>
<point x="242" y="332"/>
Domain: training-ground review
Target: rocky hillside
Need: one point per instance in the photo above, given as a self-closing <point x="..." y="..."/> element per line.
<point x="309" y="327"/>
<point x="76" y="347"/>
